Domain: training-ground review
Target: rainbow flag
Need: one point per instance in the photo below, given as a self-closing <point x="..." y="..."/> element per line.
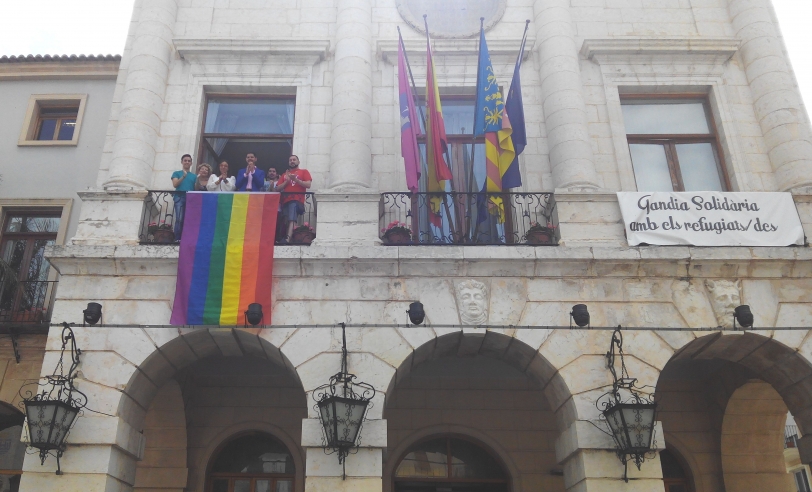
<point x="226" y="258"/>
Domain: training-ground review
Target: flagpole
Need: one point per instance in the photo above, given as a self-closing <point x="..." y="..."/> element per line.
<point x="435" y="88"/>
<point x="471" y="176"/>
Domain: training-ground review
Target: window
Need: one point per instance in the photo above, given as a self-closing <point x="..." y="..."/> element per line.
<point x="449" y="464"/>
<point x="53" y="120"/>
<point x="673" y="144"/>
<point x="802" y="481"/>
<point x="236" y="125"/>
<point x="26" y="296"/>
<point x="252" y="463"/>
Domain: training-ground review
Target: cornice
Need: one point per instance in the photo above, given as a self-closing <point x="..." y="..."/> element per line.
<point x="387" y="49"/>
<point x="604" y="49"/>
<point x="60" y="70"/>
<point x="196" y="47"/>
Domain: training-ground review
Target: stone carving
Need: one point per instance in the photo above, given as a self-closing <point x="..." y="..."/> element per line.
<point x="472" y="301"/>
<point x="725" y="296"/>
<point x="451" y="18"/>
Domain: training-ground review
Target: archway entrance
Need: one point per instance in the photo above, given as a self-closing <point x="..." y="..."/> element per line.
<point x="252" y="463"/>
<point x="676" y="476"/>
<point x="449" y="464"/>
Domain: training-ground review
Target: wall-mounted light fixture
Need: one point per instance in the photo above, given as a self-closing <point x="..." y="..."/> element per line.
<point x="416" y="313"/>
<point x="744" y="316"/>
<point x="254" y="314"/>
<point x="342" y="405"/>
<point x="93" y="313"/>
<point x="629" y="413"/>
<point x="580" y="315"/>
<point x="52" y="410"/>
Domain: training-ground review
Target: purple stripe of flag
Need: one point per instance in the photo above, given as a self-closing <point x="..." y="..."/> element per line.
<point x="186" y="257"/>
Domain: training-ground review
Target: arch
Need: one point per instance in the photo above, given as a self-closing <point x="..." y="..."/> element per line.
<point x="450" y="437"/>
<point x="689" y="463"/>
<point x="180" y="352"/>
<point x="242" y="438"/>
<point x="676" y="470"/>
<point x="243" y="428"/>
<point x="475" y="435"/>
<point x="498" y="346"/>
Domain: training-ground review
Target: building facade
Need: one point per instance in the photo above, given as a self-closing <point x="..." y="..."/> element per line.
<point x="494" y="391"/>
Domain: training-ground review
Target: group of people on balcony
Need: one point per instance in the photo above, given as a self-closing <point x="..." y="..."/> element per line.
<point x="294" y="182"/>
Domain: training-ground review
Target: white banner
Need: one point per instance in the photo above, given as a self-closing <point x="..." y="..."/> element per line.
<point x="710" y="218"/>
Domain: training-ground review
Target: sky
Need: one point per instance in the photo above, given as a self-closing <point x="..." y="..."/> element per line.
<point x="100" y="27"/>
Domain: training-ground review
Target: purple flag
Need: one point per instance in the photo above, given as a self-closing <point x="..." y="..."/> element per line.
<point x="408" y="128"/>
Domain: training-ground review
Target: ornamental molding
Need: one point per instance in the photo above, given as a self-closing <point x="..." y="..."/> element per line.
<point x="208" y="47"/>
<point x="387" y="49"/>
<point x="663" y="50"/>
<point x="451" y="24"/>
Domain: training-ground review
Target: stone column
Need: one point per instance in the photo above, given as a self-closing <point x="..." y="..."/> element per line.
<point x="571" y="157"/>
<point x="775" y="94"/>
<point x="139" y="120"/>
<point x="351" y="133"/>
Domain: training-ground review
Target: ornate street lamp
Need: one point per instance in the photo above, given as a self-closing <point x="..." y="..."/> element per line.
<point x="52" y="411"/>
<point x="629" y="413"/>
<point x="342" y="405"/>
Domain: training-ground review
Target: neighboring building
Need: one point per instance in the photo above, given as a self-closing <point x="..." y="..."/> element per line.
<point x="55" y="112"/>
<point x="618" y="96"/>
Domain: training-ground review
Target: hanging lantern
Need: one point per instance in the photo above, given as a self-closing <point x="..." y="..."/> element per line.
<point x="342" y="405"/>
<point x="629" y="413"/>
<point x="52" y="410"/>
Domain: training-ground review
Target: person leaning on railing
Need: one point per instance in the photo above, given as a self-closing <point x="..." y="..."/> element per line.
<point x="183" y="181"/>
<point x="295" y="182"/>
<point x="222" y="182"/>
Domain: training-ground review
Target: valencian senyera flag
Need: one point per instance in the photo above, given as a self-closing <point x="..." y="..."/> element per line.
<point x="512" y="178"/>
<point x="226" y="258"/>
<point x="492" y="120"/>
<point x="436" y="139"/>
<point x="409" y="126"/>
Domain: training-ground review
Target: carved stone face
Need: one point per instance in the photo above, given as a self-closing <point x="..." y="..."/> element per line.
<point x="725" y="296"/>
<point x="472" y="300"/>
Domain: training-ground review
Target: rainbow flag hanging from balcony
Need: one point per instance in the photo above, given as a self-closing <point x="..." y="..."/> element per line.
<point x="226" y="258"/>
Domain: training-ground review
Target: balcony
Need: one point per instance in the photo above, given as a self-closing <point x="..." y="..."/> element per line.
<point x="791" y="437"/>
<point x="471" y="219"/>
<point x="28" y="303"/>
<point x="158" y="219"/>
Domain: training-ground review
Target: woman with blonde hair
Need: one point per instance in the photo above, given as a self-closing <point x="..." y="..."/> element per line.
<point x="203" y="173"/>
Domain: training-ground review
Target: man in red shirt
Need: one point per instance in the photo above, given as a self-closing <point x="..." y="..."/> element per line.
<point x="294" y="182"/>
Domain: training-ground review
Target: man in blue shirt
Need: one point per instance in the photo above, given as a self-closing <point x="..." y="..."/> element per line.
<point x="183" y="181"/>
<point x="250" y="178"/>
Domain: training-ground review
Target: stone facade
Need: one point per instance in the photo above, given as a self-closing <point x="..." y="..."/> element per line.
<point x="524" y="386"/>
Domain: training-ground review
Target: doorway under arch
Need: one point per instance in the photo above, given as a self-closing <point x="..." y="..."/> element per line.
<point x="452" y="464"/>
<point x="676" y="473"/>
<point x="252" y="462"/>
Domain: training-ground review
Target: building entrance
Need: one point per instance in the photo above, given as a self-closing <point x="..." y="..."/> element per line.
<point x="252" y="463"/>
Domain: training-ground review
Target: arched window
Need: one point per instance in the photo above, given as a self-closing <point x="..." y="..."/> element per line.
<point x="252" y="463"/>
<point x="675" y="476"/>
<point x="452" y="465"/>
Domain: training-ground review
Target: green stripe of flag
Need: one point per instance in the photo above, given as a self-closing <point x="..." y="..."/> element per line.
<point x="217" y="265"/>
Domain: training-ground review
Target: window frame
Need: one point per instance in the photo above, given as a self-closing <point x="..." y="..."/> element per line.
<point x="670" y="141"/>
<point x="204" y="145"/>
<point x="33" y="118"/>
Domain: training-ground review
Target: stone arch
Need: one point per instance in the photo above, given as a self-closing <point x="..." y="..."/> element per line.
<point x="495" y="345"/>
<point x="397" y="453"/>
<point x="164" y="465"/>
<point x="243" y="428"/>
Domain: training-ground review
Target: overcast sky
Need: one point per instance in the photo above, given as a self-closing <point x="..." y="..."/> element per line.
<point x="100" y="27"/>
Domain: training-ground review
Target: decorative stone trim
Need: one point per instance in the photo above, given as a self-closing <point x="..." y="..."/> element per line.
<point x="387" y="49"/>
<point x="191" y="47"/>
<point x="599" y="49"/>
<point x="60" y="69"/>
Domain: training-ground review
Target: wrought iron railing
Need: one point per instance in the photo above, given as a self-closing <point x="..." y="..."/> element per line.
<point x="468" y="218"/>
<point x="27" y="302"/>
<point x="159" y="219"/>
<point x="791" y="436"/>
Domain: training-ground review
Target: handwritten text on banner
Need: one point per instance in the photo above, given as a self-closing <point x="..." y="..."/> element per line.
<point x="710" y="218"/>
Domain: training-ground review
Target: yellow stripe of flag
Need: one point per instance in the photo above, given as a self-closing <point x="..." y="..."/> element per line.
<point x="232" y="276"/>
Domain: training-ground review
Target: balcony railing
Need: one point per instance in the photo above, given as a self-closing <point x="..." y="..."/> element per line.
<point x="158" y="219"/>
<point x="477" y="219"/>
<point x="29" y="302"/>
<point x="791" y="436"/>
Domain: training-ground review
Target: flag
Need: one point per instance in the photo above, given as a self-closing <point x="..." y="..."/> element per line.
<point x="436" y="140"/>
<point x="512" y="178"/>
<point x="408" y="126"/>
<point x="492" y="120"/>
<point x="226" y="258"/>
